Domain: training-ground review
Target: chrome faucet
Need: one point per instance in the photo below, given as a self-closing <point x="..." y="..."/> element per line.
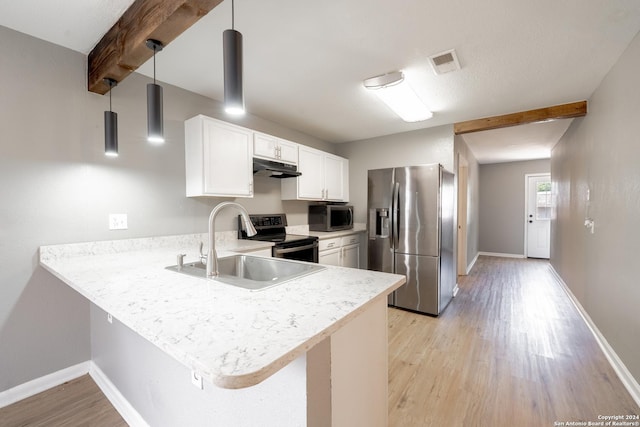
<point x="212" y="256"/>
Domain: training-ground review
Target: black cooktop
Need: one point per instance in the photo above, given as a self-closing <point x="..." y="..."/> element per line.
<point x="271" y="228"/>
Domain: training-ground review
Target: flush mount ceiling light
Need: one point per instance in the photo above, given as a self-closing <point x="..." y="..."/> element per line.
<point x="110" y="125"/>
<point x="233" y="92"/>
<point x="155" y="127"/>
<point x="395" y="91"/>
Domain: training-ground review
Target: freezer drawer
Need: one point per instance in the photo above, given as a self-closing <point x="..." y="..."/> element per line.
<point x="421" y="292"/>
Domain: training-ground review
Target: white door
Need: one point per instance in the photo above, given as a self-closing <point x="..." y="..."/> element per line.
<point x="538" y="215"/>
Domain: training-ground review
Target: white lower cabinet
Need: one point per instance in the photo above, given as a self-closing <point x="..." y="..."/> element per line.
<point x="351" y="256"/>
<point x="340" y="251"/>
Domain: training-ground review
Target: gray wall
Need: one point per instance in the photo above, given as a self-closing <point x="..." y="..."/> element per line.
<point x="502" y="200"/>
<point x="601" y="152"/>
<point x="473" y="197"/>
<point x="58" y="187"/>
<point x="433" y="145"/>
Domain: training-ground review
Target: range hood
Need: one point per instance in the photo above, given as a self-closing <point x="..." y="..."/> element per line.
<point x="273" y="169"/>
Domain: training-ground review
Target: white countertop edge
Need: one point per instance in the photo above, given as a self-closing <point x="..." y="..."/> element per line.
<point x="247" y="380"/>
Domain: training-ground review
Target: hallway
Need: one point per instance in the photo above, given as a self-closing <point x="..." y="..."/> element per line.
<point x="510" y="350"/>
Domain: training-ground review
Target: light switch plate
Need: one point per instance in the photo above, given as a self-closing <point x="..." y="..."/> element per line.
<point x="118" y="222"/>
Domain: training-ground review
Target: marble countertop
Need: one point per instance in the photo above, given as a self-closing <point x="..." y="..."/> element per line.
<point x="231" y="336"/>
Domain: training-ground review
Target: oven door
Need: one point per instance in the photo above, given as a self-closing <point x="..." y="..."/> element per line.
<point x="306" y="252"/>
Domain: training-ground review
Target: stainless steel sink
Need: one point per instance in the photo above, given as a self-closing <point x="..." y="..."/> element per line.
<point x="251" y="272"/>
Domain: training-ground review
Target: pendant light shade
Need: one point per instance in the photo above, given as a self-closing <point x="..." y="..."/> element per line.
<point x="232" y="48"/>
<point x="155" y="128"/>
<point x="155" y="125"/>
<point x="110" y="126"/>
<point x="111" y="134"/>
<point x="233" y="92"/>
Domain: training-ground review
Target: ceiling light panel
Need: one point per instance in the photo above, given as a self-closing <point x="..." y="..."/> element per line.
<point x="395" y="91"/>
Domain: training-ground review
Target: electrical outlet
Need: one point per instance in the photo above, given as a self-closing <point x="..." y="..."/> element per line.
<point x="196" y="380"/>
<point x="118" y="222"/>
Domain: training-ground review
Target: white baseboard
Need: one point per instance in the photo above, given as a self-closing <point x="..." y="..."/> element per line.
<point x="122" y="405"/>
<point x="38" y="385"/>
<point x="473" y="262"/>
<point x="497" y="254"/>
<point x="618" y="366"/>
<point x="455" y="290"/>
<point x="33" y="387"/>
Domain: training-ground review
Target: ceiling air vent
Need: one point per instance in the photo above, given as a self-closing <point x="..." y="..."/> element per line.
<point x="445" y="62"/>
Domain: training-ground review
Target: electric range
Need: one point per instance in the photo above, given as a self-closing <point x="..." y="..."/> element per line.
<point x="272" y="228"/>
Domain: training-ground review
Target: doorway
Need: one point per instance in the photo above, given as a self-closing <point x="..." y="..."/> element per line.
<point x="463" y="173"/>
<point x="537" y="234"/>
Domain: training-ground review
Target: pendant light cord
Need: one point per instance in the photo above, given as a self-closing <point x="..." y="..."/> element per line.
<point x="110" y="90"/>
<point x="232" y="16"/>
<point x="154" y="64"/>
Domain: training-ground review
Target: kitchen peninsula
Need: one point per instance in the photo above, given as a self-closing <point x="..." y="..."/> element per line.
<point x="311" y="351"/>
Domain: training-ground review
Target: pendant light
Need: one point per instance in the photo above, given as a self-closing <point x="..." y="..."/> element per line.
<point x="110" y="125"/>
<point x="155" y="126"/>
<point x="232" y="47"/>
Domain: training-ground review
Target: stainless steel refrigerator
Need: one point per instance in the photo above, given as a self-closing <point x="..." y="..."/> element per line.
<point x="411" y="230"/>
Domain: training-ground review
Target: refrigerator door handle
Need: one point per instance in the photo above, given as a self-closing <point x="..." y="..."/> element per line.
<point x="395" y="206"/>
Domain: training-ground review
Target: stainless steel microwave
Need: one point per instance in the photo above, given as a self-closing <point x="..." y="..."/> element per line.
<point x="330" y="217"/>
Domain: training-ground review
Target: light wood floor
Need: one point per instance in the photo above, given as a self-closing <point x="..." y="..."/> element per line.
<point x="75" y="403"/>
<point x="510" y="350"/>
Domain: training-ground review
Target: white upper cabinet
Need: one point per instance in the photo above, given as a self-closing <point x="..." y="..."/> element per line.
<point x="311" y="182"/>
<point x="333" y="178"/>
<point x="272" y="148"/>
<point x="218" y="158"/>
<point x="324" y="177"/>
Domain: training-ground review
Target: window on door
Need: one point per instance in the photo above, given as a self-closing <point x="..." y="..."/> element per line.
<point x="543" y="200"/>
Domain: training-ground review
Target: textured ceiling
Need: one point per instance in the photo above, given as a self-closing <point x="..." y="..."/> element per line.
<point x="524" y="142"/>
<point x="305" y="61"/>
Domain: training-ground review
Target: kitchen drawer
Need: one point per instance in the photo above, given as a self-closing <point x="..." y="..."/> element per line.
<point x="351" y="240"/>
<point x="329" y="244"/>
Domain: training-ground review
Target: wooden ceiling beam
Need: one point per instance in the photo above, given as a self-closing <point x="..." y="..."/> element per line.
<point x="122" y="49"/>
<point x="564" y="111"/>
